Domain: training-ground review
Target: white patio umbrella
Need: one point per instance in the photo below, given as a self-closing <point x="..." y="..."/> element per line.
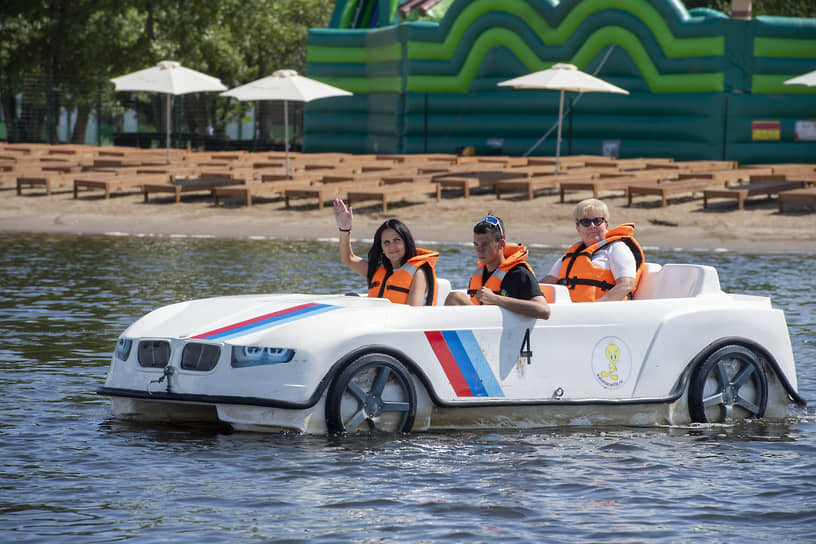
<point x="285" y="85"/>
<point x="171" y="78"/>
<point x="562" y="77"/>
<point x="808" y="79"/>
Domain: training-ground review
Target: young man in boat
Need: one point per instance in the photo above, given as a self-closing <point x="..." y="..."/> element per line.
<point x="503" y="278"/>
<point x="606" y="264"/>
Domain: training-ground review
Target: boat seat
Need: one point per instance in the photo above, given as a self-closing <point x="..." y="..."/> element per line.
<point x="555" y="293"/>
<point x="443" y="287"/>
<point x="677" y="281"/>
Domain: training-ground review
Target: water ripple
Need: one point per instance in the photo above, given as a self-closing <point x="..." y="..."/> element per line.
<point x="72" y="474"/>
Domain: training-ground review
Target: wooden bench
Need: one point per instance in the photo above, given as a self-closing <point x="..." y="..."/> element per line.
<point x="331" y="186"/>
<point x="397" y="191"/>
<point x="267" y="189"/>
<point x="622" y="164"/>
<point x="569" y="161"/>
<point x="127" y="161"/>
<point x="532" y="171"/>
<point x="12" y="175"/>
<point x="733" y="175"/>
<point x="607" y="184"/>
<point x="110" y="182"/>
<point x="807" y="195"/>
<point x="533" y="184"/>
<point x="179" y="186"/>
<point x="49" y="180"/>
<point x="528" y="185"/>
<point x="663" y="190"/>
<point x="463" y="183"/>
<point x="647" y="174"/>
<point x="324" y="191"/>
<point x="8" y="180"/>
<point x="234" y="173"/>
<point x="468" y="169"/>
<point x="503" y="161"/>
<point x="787" y="167"/>
<point x="741" y="192"/>
<point x="468" y="181"/>
<point x="702" y="165"/>
<point x="174" y="171"/>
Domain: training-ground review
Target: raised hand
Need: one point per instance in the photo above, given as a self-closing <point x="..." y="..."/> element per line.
<point x="342" y="214"/>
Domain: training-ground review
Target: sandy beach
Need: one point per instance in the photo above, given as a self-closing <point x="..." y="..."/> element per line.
<point x="543" y="220"/>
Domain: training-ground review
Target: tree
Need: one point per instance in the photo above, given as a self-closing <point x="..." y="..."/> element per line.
<point x="780" y="8"/>
<point x="272" y="35"/>
<point x="66" y="46"/>
<point x="73" y="48"/>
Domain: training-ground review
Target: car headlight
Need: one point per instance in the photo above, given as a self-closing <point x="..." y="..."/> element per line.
<point x="256" y="355"/>
<point x="122" y="351"/>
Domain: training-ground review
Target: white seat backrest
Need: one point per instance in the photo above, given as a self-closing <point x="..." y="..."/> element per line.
<point x="443" y="287"/>
<point x="648" y="281"/>
<point x="677" y="281"/>
<point x="555" y="293"/>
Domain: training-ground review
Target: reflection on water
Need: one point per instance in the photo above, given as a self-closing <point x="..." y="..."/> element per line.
<point x="71" y="474"/>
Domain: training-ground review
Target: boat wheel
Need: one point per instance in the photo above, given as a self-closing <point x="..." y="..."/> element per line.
<point x="374" y="393"/>
<point x="729" y="386"/>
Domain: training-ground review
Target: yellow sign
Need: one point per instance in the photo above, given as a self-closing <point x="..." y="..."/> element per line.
<point x="766" y="131"/>
<point x="611" y="362"/>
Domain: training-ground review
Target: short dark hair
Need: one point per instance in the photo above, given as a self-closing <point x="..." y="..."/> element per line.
<point x="490" y="224"/>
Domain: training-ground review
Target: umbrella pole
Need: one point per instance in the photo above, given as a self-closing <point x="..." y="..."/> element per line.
<point x="167" y="126"/>
<point x="286" y="133"/>
<point x="558" y="142"/>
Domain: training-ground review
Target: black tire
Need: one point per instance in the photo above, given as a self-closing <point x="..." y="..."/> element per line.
<point x="374" y="393"/>
<point x="730" y="385"/>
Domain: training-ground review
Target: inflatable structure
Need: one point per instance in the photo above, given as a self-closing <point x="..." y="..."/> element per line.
<point x="702" y="86"/>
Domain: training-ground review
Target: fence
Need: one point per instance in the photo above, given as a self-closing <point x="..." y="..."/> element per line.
<point x="65" y="109"/>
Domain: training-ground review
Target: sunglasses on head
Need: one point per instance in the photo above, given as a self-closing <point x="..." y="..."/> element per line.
<point x="494" y="221"/>
<point x="587" y="221"/>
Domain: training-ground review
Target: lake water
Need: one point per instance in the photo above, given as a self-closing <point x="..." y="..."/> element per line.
<point x="72" y="474"/>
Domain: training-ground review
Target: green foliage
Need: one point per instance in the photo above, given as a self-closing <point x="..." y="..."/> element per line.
<point x="79" y="45"/>
<point x="779" y="8"/>
<point x="784" y="8"/>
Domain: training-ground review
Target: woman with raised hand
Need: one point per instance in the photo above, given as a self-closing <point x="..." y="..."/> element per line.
<point x="396" y="269"/>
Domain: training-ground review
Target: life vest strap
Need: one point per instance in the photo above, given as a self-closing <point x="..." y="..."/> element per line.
<point x="398" y="289"/>
<point x="571" y="283"/>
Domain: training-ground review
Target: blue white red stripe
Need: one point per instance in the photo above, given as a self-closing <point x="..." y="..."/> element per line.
<point x="464" y="364"/>
<point x="266" y="321"/>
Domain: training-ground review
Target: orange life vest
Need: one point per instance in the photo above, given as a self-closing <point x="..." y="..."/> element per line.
<point x="396" y="286"/>
<point x="513" y="256"/>
<point x="587" y="282"/>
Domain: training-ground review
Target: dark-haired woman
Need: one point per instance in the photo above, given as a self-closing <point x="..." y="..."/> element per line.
<point x="396" y="269"/>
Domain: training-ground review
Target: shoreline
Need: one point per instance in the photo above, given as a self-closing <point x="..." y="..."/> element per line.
<point x="543" y="221"/>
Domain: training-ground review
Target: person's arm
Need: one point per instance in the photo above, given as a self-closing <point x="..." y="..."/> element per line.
<point x="458" y="298"/>
<point x="523" y="295"/>
<point x="552" y="275"/>
<point x="343" y="217"/>
<point x="416" y="296"/>
<point x="536" y="307"/>
<point x="623" y="266"/>
<point x="623" y="286"/>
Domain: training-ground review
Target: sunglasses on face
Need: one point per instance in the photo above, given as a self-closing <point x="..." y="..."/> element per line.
<point x="587" y="221"/>
<point x="494" y="221"/>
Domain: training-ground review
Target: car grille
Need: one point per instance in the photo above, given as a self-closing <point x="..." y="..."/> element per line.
<point x="201" y="357"/>
<point x="154" y="353"/>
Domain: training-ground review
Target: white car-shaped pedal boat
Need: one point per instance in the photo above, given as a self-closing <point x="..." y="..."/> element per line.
<point x="682" y="352"/>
